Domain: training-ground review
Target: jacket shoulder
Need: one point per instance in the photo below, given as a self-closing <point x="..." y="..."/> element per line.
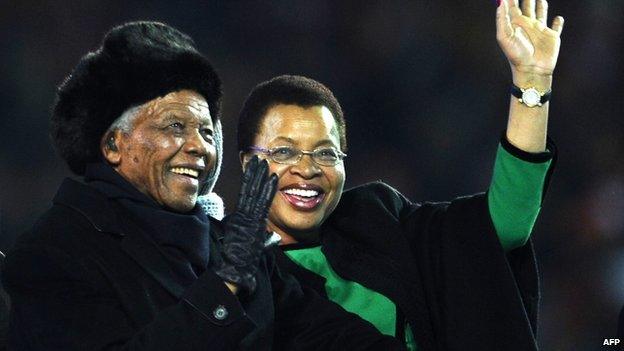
<point x="64" y="230"/>
<point x="370" y="198"/>
<point x="55" y="226"/>
<point x="47" y="254"/>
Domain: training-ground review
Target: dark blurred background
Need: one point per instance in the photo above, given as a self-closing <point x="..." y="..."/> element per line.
<point x="425" y="91"/>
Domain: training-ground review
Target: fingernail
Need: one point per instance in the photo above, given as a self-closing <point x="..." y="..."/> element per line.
<point x="497" y="2"/>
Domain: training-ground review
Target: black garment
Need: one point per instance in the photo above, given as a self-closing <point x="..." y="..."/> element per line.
<point x="183" y="238"/>
<point x="89" y="277"/>
<point x="440" y="263"/>
<point x="620" y="326"/>
<point x="4" y="310"/>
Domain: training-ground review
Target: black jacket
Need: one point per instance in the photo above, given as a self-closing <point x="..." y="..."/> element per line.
<point x="440" y="263"/>
<point x="4" y="310"/>
<point x="87" y="277"/>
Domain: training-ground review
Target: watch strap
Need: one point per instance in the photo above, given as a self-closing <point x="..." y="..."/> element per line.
<point x="517" y="92"/>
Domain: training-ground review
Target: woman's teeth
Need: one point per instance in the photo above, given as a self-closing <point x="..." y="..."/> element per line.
<point x="303" y="199"/>
<point x="302" y="192"/>
<point x="185" y="171"/>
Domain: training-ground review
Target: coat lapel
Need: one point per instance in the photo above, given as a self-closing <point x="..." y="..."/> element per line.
<point x="107" y="217"/>
<point x="146" y="253"/>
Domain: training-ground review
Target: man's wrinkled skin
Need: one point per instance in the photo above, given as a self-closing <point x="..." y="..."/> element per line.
<point x="169" y="133"/>
<point x="167" y="154"/>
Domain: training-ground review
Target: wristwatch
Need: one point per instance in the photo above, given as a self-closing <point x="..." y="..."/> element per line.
<point x="531" y="97"/>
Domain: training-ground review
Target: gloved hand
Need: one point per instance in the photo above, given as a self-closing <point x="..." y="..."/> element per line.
<point x="245" y="229"/>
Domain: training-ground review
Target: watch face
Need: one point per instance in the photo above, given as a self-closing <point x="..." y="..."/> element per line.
<point x="531" y="97"/>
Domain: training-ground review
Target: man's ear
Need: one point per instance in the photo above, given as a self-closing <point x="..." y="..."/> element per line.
<point x="109" y="145"/>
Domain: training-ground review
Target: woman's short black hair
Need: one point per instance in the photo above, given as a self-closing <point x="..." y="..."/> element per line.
<point x="288" y="90"/>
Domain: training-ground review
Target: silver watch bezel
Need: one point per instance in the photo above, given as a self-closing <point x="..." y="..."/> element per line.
<point x="531" y="97"/>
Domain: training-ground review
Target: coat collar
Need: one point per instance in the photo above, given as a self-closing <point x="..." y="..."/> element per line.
<point x="106" y="217"/>
<point x="90" y="203"/>
<point x="362" y="241"/>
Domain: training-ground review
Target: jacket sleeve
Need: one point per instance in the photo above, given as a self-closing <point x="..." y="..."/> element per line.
<point x="307" y="321"/>
<point x="57" y="307"/>
<point x="516" y="192"/>
<point x="481" y="296"/>
<point x="4" y="310"/>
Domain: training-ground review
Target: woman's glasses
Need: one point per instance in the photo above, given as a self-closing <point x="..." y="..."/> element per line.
<point x="288" y="155"/>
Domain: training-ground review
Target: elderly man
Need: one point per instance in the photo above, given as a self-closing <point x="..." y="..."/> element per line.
<point x="127" y="260"/>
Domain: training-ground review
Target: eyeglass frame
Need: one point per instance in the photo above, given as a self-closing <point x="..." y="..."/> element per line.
<point x="269" y="152"/>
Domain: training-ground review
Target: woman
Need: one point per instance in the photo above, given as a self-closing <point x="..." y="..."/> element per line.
<point x="125" y="259"/>
<point x="455" y="275"/>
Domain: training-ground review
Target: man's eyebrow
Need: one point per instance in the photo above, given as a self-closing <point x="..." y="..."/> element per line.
<point x="196" y="106"/>
<point x="172" y="117"/>
<point x="173" y="114"/>
<point x="205" y="120"/>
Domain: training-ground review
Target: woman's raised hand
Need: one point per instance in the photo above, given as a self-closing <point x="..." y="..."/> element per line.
<point x="524" y="36"/>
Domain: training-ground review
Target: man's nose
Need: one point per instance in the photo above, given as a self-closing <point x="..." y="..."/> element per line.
<point x="196" y="145"/>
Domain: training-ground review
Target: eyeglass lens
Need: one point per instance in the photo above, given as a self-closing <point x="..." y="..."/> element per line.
<point x="289" y="155"/>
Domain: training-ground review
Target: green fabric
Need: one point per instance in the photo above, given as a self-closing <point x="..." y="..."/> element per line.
<point x="353" y="297"/>
<point x="515" y="197"/>
<point x="514" y="201"/>
<point x="410" y="342"/>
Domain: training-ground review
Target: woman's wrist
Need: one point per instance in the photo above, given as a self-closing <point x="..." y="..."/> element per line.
<point x="541" y="81"/>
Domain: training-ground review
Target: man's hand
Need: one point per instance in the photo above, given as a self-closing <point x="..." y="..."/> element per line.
<point x="522" y="33"/>
<point x="245" y="229"/>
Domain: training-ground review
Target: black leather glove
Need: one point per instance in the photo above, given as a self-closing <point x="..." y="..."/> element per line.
<point x="245" y="230"/>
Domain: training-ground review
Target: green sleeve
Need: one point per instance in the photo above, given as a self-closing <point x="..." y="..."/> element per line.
<point x="515" y="194"/>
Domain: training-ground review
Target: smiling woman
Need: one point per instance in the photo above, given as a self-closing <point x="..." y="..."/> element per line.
<point x="307" y="191"/>
<point x="126" y="259"/>
<point x="457" y="275"/>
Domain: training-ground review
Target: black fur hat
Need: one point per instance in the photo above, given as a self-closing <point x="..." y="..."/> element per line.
<point x="136" y="62"/>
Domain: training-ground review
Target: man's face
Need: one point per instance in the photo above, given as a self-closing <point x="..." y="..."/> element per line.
<point x="307" y="192"/>
<point x="170" y="149"/>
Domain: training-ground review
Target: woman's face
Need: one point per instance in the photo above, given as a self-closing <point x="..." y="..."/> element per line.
<point x="307" y="192"/>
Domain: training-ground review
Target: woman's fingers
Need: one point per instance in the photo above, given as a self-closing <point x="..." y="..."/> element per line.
<point x="528" y="8"/>
<point x="557" y="24"/>
<point x="541" y="11"/>
<point x="513" y="8"/>
<point x="503" y="21"/>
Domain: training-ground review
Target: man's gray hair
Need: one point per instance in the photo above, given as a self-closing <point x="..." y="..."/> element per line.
<point x="209" y="201"/>
<point x="125" y="122"/>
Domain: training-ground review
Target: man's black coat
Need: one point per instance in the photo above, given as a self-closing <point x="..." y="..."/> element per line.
<point x="440" y="263"/>
<point x="87" y="277"/>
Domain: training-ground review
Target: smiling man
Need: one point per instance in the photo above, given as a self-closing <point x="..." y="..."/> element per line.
<point x="169" y="149"/>
<point x="127" y="259"/>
